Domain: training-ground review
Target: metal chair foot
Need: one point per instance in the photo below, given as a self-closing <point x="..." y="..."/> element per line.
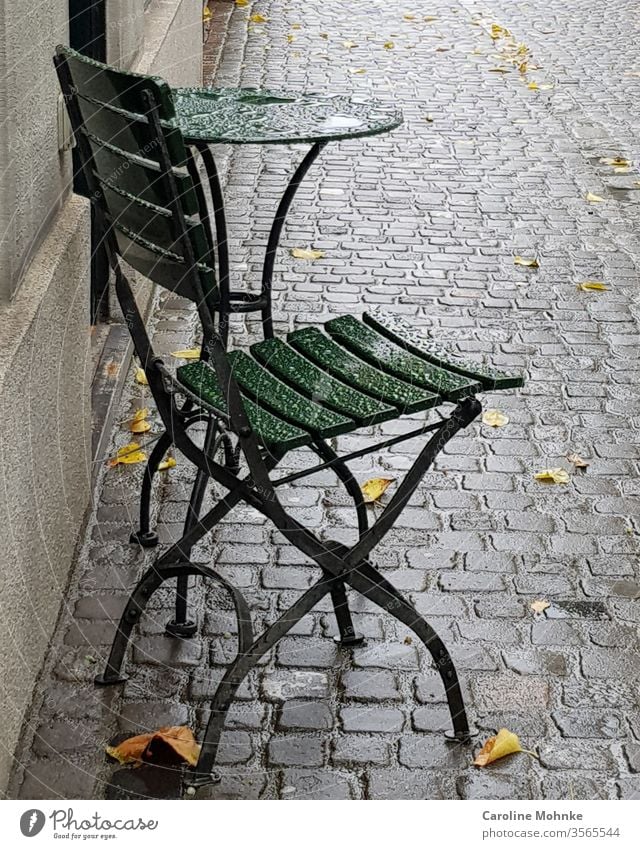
<point x="104" y="680"/>
<point x="191" y="782"/>
<point x="181" y="629"/>
<point x="351" y="642"/>
<point x="147" y="539"/>
<point x="459" y="737"/>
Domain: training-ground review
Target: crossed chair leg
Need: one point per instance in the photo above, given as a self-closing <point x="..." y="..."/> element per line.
<point x="341" y="567"/>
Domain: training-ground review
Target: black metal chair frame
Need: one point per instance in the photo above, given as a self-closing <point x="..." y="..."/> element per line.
<point x="341" y="566"/>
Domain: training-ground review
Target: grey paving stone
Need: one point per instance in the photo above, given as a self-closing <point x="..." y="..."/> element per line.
<point x="312" y="784"/>
<point x="360" y="750"/>
<point x="304" y="750"/>
<point x="372" y="719"/>
<point x="370" y="686"/>
<point x="304" y="716"/>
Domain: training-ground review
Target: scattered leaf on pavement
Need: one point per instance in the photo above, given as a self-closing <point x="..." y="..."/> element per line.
<point x="307" y="253"/>
<point x="593" y="286"/>
<point x="349" y="44"/>
<point x="375" y="488"/>
<point x="141" y="377"/>
<point x="187" y="354"/>
<point x="168" y="745"/>
<point x="494" y="418"/>
<point x="388" y="45"/>
<point x="577" y="461"/>
<point x="527" y="262"/>
<point x="408" y="640"/>
<point x="504" y="743"/>
<point x="169" y="463"/>
<point x="128" y="455"/>
<point x="539" y="606"/>
<point x="138" y="423"/>
<point x="206" y="14"/>
<point x="557" y="475"/>
<point x="242" y="2"/>
<point x="615" y="161"/>
<point x="258" y="19"/>
<point x="594" y="198"/>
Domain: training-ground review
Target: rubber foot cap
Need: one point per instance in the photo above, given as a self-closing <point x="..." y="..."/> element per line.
<point x="351" y="642"/>
<point x="459" y="738"/>
<point x="181" y="629"/>
<point x="109" y="680"/>
<point x="147" y="539"/>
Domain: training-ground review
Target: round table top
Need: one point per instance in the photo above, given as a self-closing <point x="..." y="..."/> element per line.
<point x="253" y="116"/>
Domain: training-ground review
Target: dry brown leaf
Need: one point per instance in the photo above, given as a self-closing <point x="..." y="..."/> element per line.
<point x="504" y="743"/>
<point x="526" y="262"/>
<point x="169" y="463"/>
<point x="141" y="377"/>
<point x="494" y="418"/>
<point x="408" y="640"/>
<point x="539" y="606"/>
<point x="307" y="253"/>
<point x="593" y="286"/>
<point x="577" y="461"/>
<point x="594" y="198"/>
<point x="187" y="354"/>
<point x="168" y="745"/>
<point x="375" y="488"/>
<point x="556" y="475"/>
<point x="128" y="455"/>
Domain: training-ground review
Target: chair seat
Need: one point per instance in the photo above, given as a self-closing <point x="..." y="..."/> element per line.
<point x="357" y="373"/>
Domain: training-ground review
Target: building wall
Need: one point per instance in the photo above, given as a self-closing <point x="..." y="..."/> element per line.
<point x="45" y="358"/>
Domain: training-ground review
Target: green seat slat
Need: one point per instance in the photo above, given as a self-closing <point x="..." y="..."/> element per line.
<point x="312" y="381"/>
<point x="267" y="391"/>
<point x="412" y="339"/>
<point x="389" y="357"/>
<point x="341" y="363"/>
<point x="200" y="379"/>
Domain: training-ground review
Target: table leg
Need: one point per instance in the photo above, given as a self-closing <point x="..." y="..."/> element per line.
<point x="275" y="233"/>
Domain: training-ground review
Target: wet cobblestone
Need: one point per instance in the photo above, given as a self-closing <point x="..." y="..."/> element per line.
<point x="426" y="220"/>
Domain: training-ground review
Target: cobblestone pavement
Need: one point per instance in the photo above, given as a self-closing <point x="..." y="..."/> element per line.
<point x="426" y="220"/>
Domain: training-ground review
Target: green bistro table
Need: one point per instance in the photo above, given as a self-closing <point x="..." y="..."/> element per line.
<point x="208" y="116"/>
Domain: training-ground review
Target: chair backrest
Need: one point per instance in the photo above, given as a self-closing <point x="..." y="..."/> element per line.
<point x="134" y="159"/>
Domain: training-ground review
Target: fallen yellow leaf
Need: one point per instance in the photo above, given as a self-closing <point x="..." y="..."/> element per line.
<point x="290" y="38"/>
<point x="409" y="17"/>
<point x="139" y="427"/>
<point x="187" y="354"/>
<point x="128" y="455"/>
<point x="430" y="19"/>
<point x="242" y="3"/>
<point x="375" y="488"/>
<point x="258" y="19"/>
<point x="577" y="461"/>
<point x="539" y="606"/>
<point x="594" y="198"/>
<point x="616" y="161"/>
<point x="499" y="70"/>
<point x="557" y="475"/>
<point x="306" y="253"/>
<point x="138" y="423"/>
<point x="593" y="286"/>
<point x="494" y="418"/>
<point x="296" y="26"/>
<point x="503" y="744"/>
<point x="169" y="463"/>
<point x="141" y="377"/>
<point x="357" y="70"/>
<point x="499" y="32"/>
<point x="533" y="86"/>
<point x="388" y="45"/>
<point x="206" y="14"/>
<point x="168" y="745"/>
<point x="530" y="262"/>
<point x="349" y="44"/>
